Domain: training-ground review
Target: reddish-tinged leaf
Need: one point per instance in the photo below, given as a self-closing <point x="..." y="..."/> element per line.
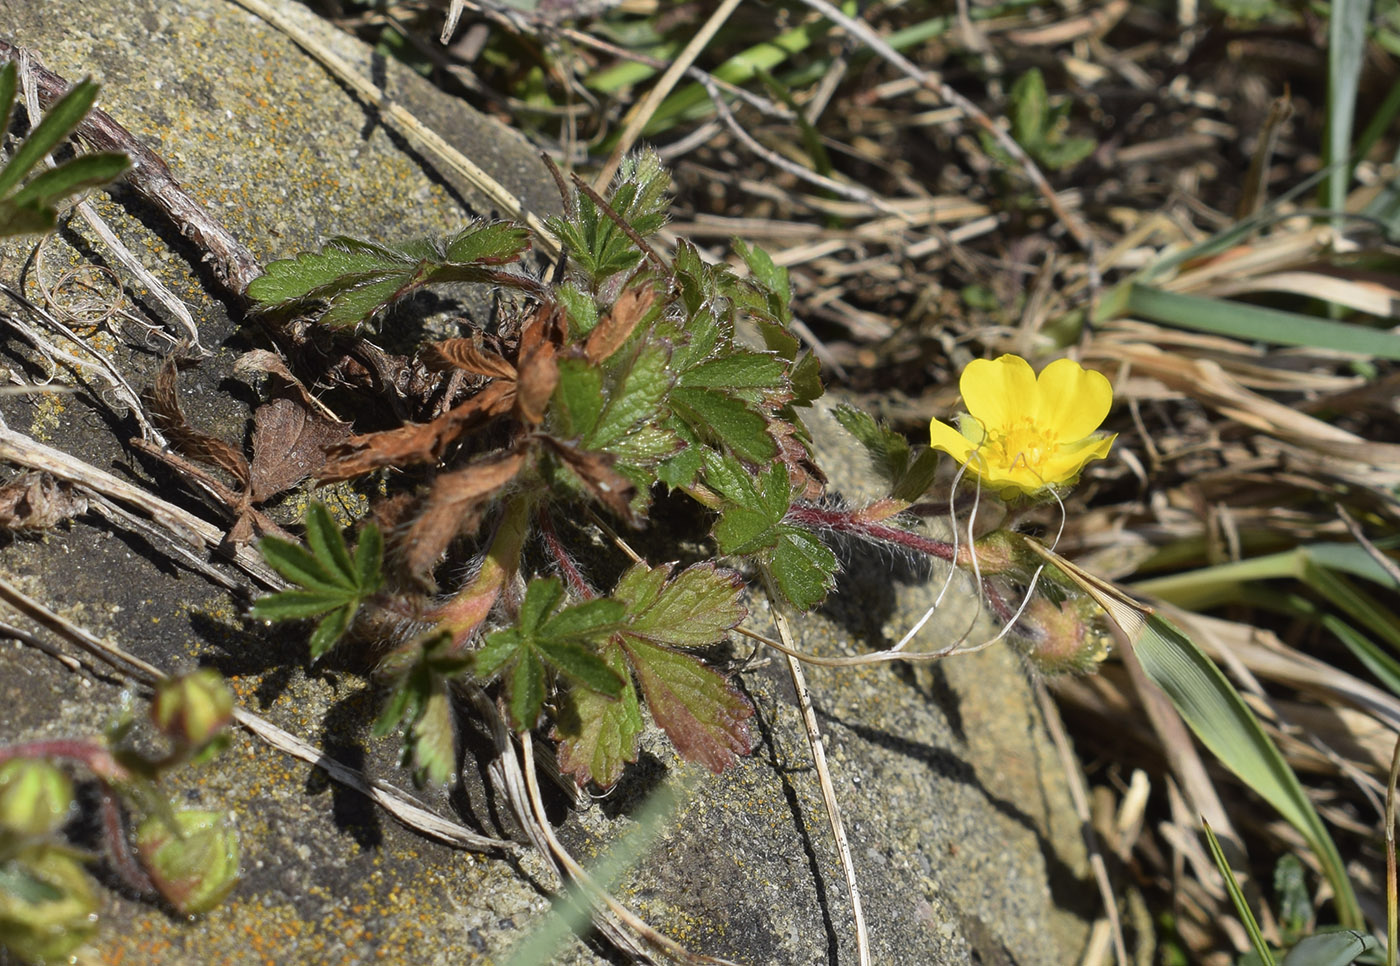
<point x="454" y="505"/>
<point x="697" y="606"/>
<point x="613" y="331"/>
<point x="610" y="487"/>
<point x="704" y="716"/>
<point x="164" y="400"/>
<point x="413" y="443"/>
<point x="289" y="444"/>
<point x="598" y="735"/>
<point x="466" y="354"/>
<point x="37" y="501"/>
<point x="539" y="374"/>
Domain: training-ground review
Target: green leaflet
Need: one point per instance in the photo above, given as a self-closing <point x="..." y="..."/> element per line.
<point x="565" y="639"/>
<point x="331" y="581"/>
<point x="356" y="280"/>
<point x="33" y="207"/>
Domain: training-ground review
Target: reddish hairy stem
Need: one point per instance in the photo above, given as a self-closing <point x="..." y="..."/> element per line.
<point x="845" y="521"/>
<point x="91" y="754"/>
<point x="572" y="576"/>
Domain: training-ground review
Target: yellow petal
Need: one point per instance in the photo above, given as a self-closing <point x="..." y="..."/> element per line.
<point x="949" y="440"/>
<point x="1067" y="463"/>
<point x="997" y="391"/>
<point x="1073" y="401"/>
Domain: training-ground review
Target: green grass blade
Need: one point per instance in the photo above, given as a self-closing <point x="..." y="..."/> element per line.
<point x="1331" y="949"/>
<point x="9" y="83"/>
<point x="1232" y="886"/>
<point x="56" y="125"/>
<point x="1214" y="710"/>
<point x="1385" y="668"/>
<point x="570" y="914"/>
<point x="1257" y="323"/>
<point x="1346" y="54"/>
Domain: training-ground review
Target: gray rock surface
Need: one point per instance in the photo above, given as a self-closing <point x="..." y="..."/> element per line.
<point x="965" y="842"/>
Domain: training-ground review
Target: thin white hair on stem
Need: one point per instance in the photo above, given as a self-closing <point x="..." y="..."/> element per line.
<point x="1030" y="587"/>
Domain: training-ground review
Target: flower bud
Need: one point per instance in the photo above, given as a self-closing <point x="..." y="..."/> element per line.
<point x="194" y="864"/>
<point x="35" y="797"/>
<point x="997" y="553"/>
<point x="194" y="708"/>
<point x="47" y="907"/>
<point x="1067" y="640"/>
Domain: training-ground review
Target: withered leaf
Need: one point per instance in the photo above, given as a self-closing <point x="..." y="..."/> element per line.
<point x="413" y="443"/>
<point x="36" y="501"/>
<point x="618" y="325"/>
<point x="539" y="374"/>
<point x="260" y="360"/>
<point x="164" y="400"/>
<point x="610" y="487"/>
<point x="454" y="505"/>
<point x="466" y="354"/>
<point x="289" y="444"/>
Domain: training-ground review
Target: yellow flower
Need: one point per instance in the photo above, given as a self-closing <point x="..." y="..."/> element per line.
<point x="1023" y="434"/>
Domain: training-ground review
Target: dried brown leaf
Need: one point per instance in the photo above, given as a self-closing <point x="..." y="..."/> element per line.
<point x="36" y="501"/>
<point x="454" y="505"/>
<point x="466" y="354"/>
<point x="413" y="443"/>
<point x="289" y="444"/>
<point x="539" y="374"/>
<point x="260" y="360"/>
<point x="164" y="401"/>
<point x="610" y="487"/>
<point x="617" y="326"/>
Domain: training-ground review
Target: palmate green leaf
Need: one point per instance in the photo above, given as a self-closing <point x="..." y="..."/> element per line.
<point x="330" y="581"/>
<point x="566" y="639"/>
<point x="56" y="124"/>
<point x="598" y="735"/>
<point x="420" y="703"/>
<point x="742" y="369"/>
<point x="753" y="507"/>
<point x="697" y="606"/>
<point x="31" y="209"/>
<point x="705" y="716"/>
<point x="357" y="279"/>
<point x="597" y="245"/>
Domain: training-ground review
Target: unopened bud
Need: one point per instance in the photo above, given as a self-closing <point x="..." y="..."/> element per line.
<point x="47" y="907"/>
<point x="997" y="553"/>
<point x="35" y="797"/>
<point x="1067" y="639"/>
<point x="193" y="709"/>
<point x="194" y="864"/>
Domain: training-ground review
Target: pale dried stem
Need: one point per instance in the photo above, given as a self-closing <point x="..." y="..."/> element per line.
<point x="1079" y="797"/>
<point x="859" y="30"/>
<point x="396" y="802"/>
<point x="591" y="887"/>
<point x="663" y="86"/>
<point x="833" y="808"/>
<point x="123" y="254"/>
